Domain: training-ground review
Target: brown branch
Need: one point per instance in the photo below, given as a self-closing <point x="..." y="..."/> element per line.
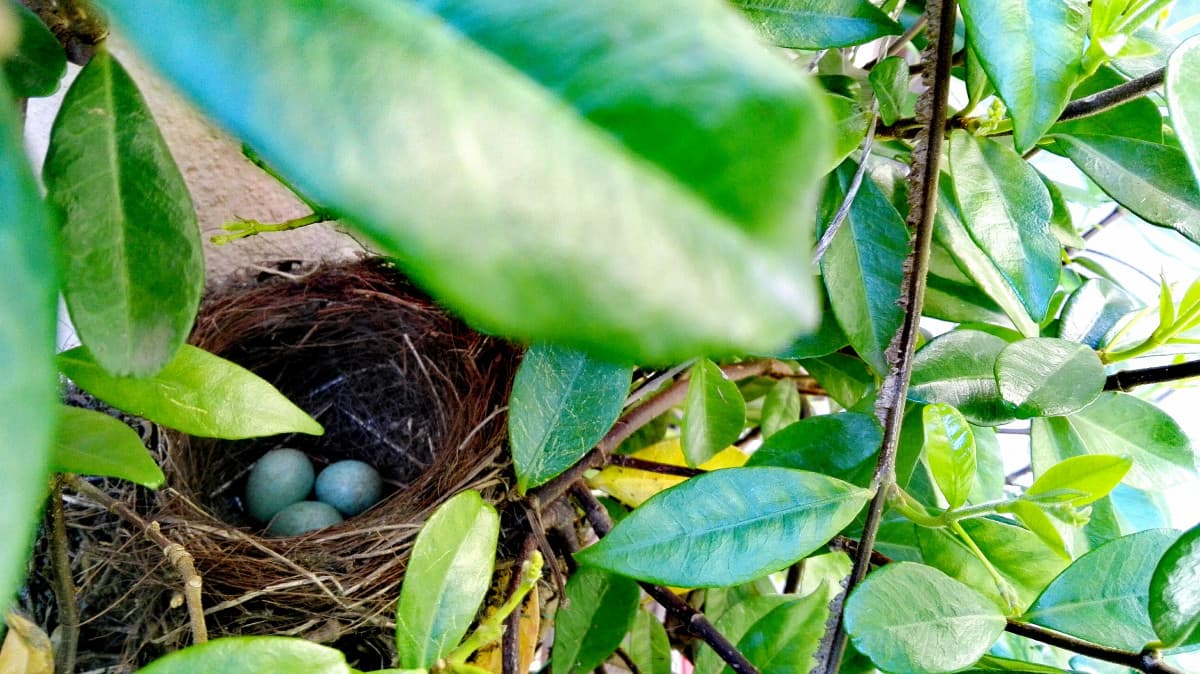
<point x="923" y="192"/>
<point x="1148" y="661"/>
<point x="64" y="584"/>
<point x="693" y="620"/>
<point x="653" y="466"/>
<point x="175" y="553"/>
<point x="1129" y="379"/>
<point x="1111" y="98"/>
<point x="510" y="643"/>
<point x="77" y="24"/>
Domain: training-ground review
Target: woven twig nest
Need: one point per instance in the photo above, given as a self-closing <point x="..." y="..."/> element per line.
<point x="395" y="381"/>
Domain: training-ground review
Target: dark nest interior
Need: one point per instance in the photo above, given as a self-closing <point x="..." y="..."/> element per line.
<point x="395" y="381"/>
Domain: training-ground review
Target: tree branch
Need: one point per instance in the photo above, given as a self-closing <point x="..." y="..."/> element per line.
<point x="654" y="466"/>
<point x="923" y="192"/>
<point x="1111" y="98"/>
<point x="510" y="644"/>
<point x="694" y="620"/>
<point x="1129" y="379"/>
<point x="64" y="584"/>
<point x="1148" y="661"/>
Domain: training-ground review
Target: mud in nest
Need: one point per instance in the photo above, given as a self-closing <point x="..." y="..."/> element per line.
<point x="395" y="381"/>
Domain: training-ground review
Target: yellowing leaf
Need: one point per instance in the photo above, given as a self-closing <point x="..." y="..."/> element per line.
<point x="26" y="648"/>
<point x="530" y="626"/>
<point x="633" y="486"/>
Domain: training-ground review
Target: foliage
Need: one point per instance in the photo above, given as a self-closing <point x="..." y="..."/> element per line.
<point x="640" y="183"/>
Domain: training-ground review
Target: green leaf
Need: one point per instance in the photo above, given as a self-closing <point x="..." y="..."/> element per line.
<point x="727" y="527"/>
<point x="28" y="388"/>
<point x="1102" y="596"/>
<point x="862" y="268"/>
<point x="1079" y="480"/>
<point x="889" y="81"/>
<point x="910" y="618"/>
<point x="1153" y="181"/>
<point x="780" y="408"/>
<point x="1006" y="209"/>
<point x="536" y="200"/>
<point x="840" y="445"/>
<point x="989" y="472"/>
<point x="1037" y="63"/>
<point x="131" y="246"/>
<point x="39" y="63"/>
<point x="733" y="623"/>
<point x="786" y="640"/>
<point x="648" y="645"/>
<point x="1174" y="599"/>
<point x="1062" y="226"/>
<point x="1183" y="101"/>
<point x="818" y="24"/>
<point x="1057" y="535"/>
<point x="599" y="611"/>
<point x="958" y="368"/>
<point x="93" y="443"/>
<point x="253" y="655"/>
<point x="1118" y="424"/>
<point x="851" y="121"/>
<point x="846" y="379"/>
<point x="197" y="393"/>
<point x="1092" y="311"/>
<point x="714" y="413"/>
<point x="448" y="574"/>
<point x="563" y="401"/>
<point x="950" y="450"/>
<point x="1048" y="377"/>
<point x="953" y="296"/>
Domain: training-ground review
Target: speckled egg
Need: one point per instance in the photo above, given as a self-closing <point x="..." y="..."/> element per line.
<point x="279" y="479"/>
<point x="350" y="486"/>
<point x="303" y="517"/>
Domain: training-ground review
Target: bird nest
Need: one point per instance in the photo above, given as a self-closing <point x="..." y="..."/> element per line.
<point x="395" y="381"/>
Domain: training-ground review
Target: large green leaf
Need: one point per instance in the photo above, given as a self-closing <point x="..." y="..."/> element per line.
<point x="28" y="390"/>
<point x="131" y="246"/>
<point x="1102" y="596"/>
<point x="536" y="165"/>
<point x="786" y="640"/>
<point x="1183" y="101"/>
<point x="253" y="655"/>
<point x="600" y="608"/>
<point x="197" y="393"/>
<point x="714" y="413"/>
<point x="818" y="24"/>
<point x="563" y="401"/>
<point x="1151" y="180"/>
<point x="910" y="618"/>
<point x="950" y="451"/>
<point x="93" y="443"/>
<point x="864" y="264"/>
<point x="1006" y="209"/>
<point x="838" y="445"/>
<point x="1036" y="64"/>
<point x="727" y="527"/>
<point x="37" y="66"/>
<point x="958" y="368"/>
<point x="1118" y="424"/>
<point x="1174" y="600"/>
<point x="1048" y="377"/>
<point x="889" y="80"/>
<point x="1092" y="310"/>
<point x="448" y="574"/>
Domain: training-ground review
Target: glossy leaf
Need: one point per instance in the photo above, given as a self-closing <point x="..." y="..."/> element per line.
<point x="1036" y="64"/>
<point x="1102" y="596"/>
<point x="496" y="175"/>
<point x="1174" y="600"/>
<point x="563" y="401"/>
<point x="253" y="655"/>
<point x="714" y="413"/>
<point x="1183" y="101"/>
<point x="733" y="623"/>
<point x="131" y="246"/>
<point x="950" y="451"/>
<point x="1006" y="209"/>
<point x="647" y="644"/>
<point x="958" y="368"/>
<point x="951" y="295"/>
<point x="1153" y="181"/>
<point x="92" y="443"/>
<point x="846" y="379"/>
<point x="28" y="388"/>
<point x="850" y="124"/>
<point x="780" y="408"/>
<point x="1118" y="424"/>
<point x="197" y="393"/>
<point x="1092" y="311"/>
<point x="39" y="62"/>
<point x="727" y="527"/>
<point x="889" y="81"/>
<point x="838" y="445"/>
<point x="448" y="574"/>
<point x="599" y="611"/>
<point x="633" y="486"/>
<point x="863" y="266"/>
<point x="818" y="24"/>
<point x="1062" y="224"/>
<point x="1057" y="535"/>
<point x="786" y="640"/>
<point x="1048" y="377"/>
<point x="989" y="471"/>
<point x="1079" y="480"/>
<point x="911" y="618"/>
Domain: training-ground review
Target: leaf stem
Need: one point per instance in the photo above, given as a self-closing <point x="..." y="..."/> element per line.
<point x="1130" y="379"/>
<point x="1006" y="590"/>
<point x="1148" y="661"/>
<point x="1111" y="98"/>
<point x="240" y="229"/>
<point x="923" y="191"/>
<point x="492" y="627"/>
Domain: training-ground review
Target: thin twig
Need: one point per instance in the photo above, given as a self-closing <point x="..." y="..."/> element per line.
<point x="653" y="466"/>
<point x="852" y="191"/>
<point x="64" y="585"/>
<point x="693" y="620"/>
<point x="1129" y="379"/>
<point x="923" y="192"/>
<point x="1111" y="98"/>
<point x="1112" y="216"/>
<point x="175" y="553"/>
<point x="510" y="643"/>
<point x="1147" y="661"/>
<point x="1017" y="474"/>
